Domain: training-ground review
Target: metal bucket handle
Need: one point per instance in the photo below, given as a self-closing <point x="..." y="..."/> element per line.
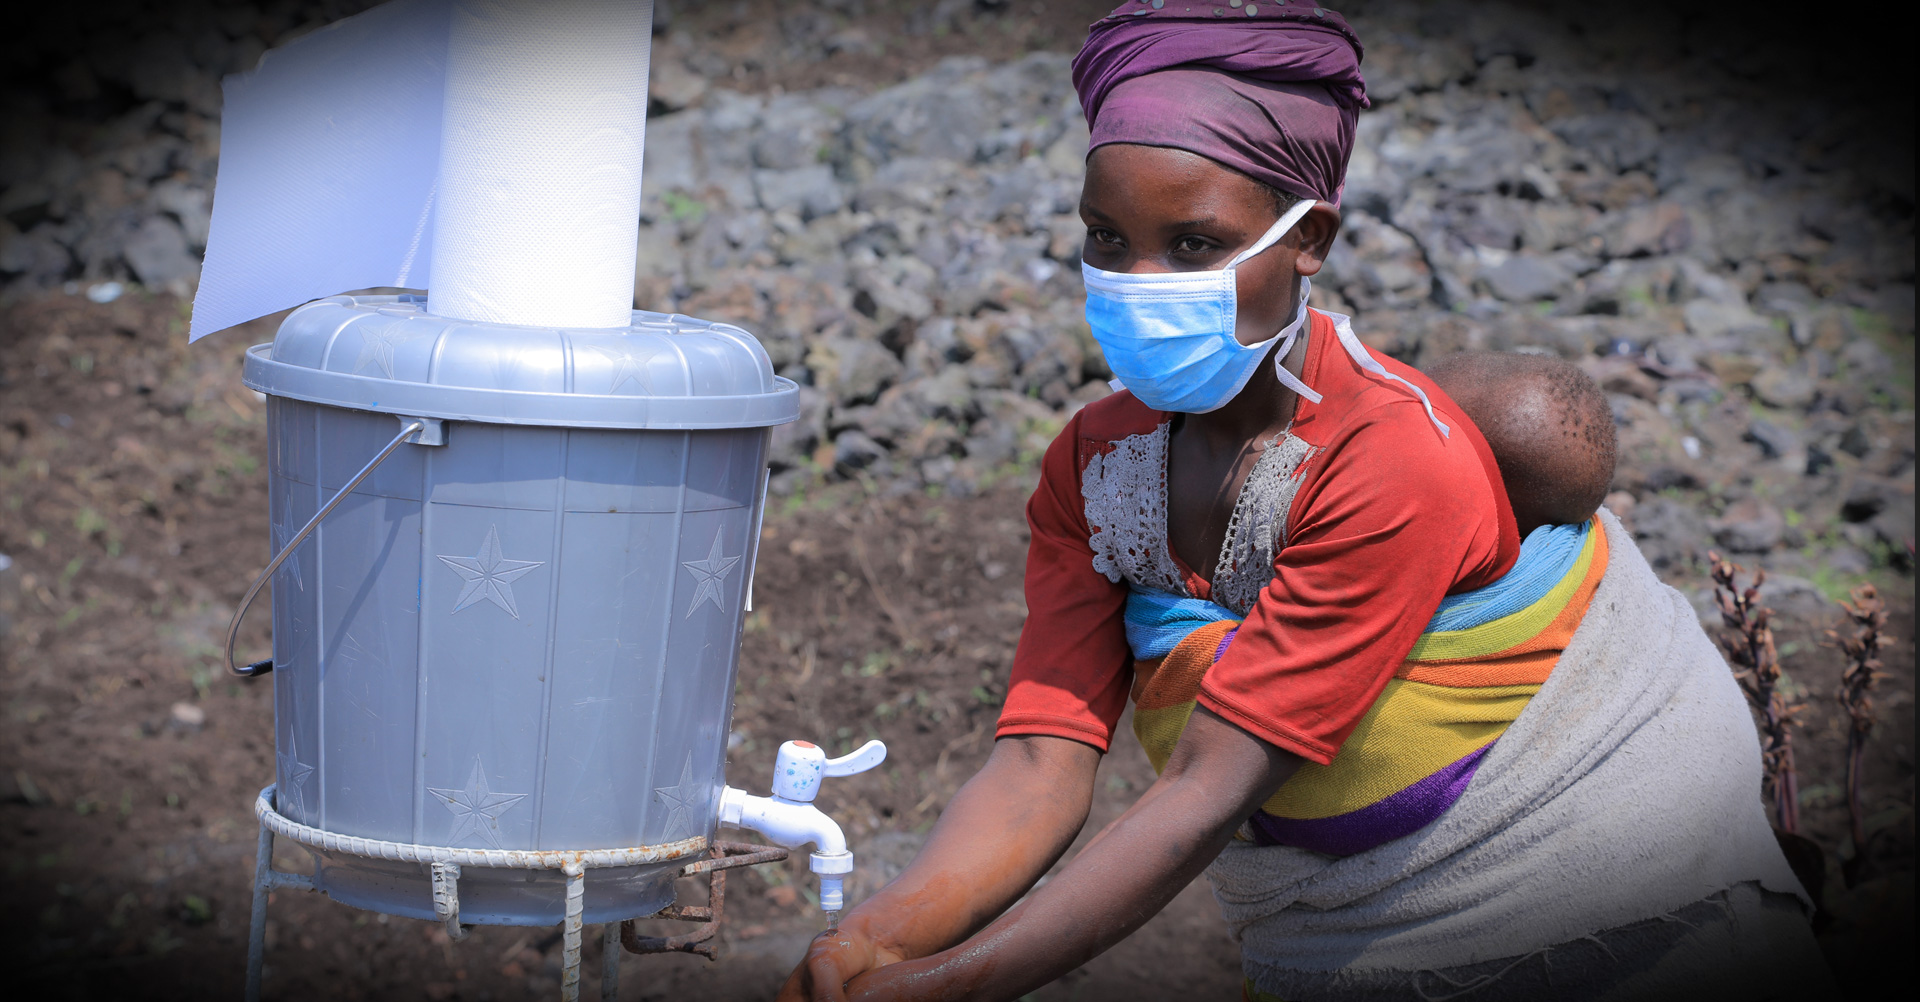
<point x="423" y="431"/>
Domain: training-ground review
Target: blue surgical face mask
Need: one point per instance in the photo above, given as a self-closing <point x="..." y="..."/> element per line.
<point x="1169" y="337"/>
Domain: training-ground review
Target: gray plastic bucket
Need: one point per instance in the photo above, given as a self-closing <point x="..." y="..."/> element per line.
<point x="525" y="638"/>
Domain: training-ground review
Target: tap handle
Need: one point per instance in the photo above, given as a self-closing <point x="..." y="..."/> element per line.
<point x="800" y="765"/>
<point x="860" y="760"/>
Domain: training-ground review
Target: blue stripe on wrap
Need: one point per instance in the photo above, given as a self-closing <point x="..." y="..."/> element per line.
<point x="1545" y="558"/>
<point x="1156" y="621"/>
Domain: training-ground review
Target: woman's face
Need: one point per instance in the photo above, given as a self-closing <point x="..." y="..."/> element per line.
<point x="1155" y="209"/>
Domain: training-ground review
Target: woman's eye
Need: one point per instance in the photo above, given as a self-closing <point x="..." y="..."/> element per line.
<point x="1191" y="245"/>
<point x="1103" y="236"/>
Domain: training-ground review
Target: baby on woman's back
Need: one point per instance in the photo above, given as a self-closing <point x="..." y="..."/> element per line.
<point x="1549" y="425"/>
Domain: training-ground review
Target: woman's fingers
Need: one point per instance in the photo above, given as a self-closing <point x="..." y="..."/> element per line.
<point x="832" y="961"/>
<point x="798" y="987"/>
<point x="827" y="983"/>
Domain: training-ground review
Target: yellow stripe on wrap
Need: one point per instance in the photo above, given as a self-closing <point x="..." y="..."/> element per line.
<point x="1507" y="631"/>
<point x="1159" y="730"/>
<point x="1413" y="731"/>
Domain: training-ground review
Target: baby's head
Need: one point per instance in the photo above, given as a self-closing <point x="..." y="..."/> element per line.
<point x="1549" y="425"/>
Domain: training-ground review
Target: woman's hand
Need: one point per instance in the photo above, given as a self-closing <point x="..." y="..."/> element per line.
<point x="1001" y="831"/>
<point x="1218" y="775"/>
<point x="834" y="958"/>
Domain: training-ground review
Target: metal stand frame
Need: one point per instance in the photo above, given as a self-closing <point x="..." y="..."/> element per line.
<point x="445" y="863"/>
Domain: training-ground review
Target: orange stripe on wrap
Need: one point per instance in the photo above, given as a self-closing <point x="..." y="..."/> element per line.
<point x="1175" y="679"/>
<point x="1526" y="663"/>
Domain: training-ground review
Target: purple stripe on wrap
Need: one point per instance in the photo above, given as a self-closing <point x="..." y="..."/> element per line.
<point x="1225" y="639"/>
<point x="1382" y="821"/>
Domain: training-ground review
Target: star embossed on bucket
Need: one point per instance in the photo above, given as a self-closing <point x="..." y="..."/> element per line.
<point x="489" y="575"/>
<point x="477" y="809"/>
<point x="681" y="801"/>
<point x="709" y="574"/>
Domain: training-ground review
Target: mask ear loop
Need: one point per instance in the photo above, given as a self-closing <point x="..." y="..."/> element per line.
<point x="1280" y="228"/>
<point x="1287" y="221"/>
<point x="1358" y="352"/>
<point x="1288" y="336"/>
<point x="1342" y="332"/>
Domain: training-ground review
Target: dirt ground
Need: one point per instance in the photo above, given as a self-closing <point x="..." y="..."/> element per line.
<point x="133" y="504"/>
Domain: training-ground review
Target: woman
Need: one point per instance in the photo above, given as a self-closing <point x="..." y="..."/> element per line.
<point x="1300" y="563"/>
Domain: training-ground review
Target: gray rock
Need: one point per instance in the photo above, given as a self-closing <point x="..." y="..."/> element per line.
<point x="670" y="163"/>
<point x="1526" y="279"/>
<point x="896" y="289"/>
<point x="1032" y="423"/>
<point x="157" y="252"/>
<point x="900" y="420"/>
<point x="853" y="369"/>
<point x="935" y="344"/>
<point x="1779" y="386"/>
<point x="725" y="129"/>
<point x="747" y="231"/>
<point x="189" y="204"/>
<point x="1697" y="281"/>
<point x="1848" y="561"/>
<point x="1796" y="598"/>
<point x="1775" y="441"/>
<point x="1424" y="64"/>
<point x="940" y="115"/>
<point x="1679" y="352"/>
<point x="1709" y="319"/>
<point x="947" y="394"/>
<point x="795" y="131"/>
<point x="1864" y="361"/>
<point x="921" y="183"/>
<point x="854" y="450"/>
<point x="1748" y="223"/>
<point x="1618" y="141"/>
<point x="1053" y="354"/>
<point x="806" y="191"/>
<point x="992" y="443"/>
<point x="37" y="255"/>
<point x="1066" y="238"/>
<point x="1067" y="157"/>
<point x="1669" y="531"/>
<point x="1868" y="497"/>
<point x="1664" y="228"/>
<point x="964" y="111"/>
<point x="152" y="157"/>
<point x="1750" y="526"/>
<point x="672" y="87"/>
<point x="1376" y="265"/>
<point x="1895" y="526"/>
<point x="656" y="256"/>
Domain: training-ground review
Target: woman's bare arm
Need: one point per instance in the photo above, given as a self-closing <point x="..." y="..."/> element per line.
<point x="1000" y="833"/>
<point x="1218" y="776"/>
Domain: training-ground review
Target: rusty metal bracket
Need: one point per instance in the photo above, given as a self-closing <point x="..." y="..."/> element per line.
<point x="726" y="856"/>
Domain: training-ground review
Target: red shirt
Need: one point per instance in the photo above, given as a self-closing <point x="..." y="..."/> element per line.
<point x="1390" y="517"/>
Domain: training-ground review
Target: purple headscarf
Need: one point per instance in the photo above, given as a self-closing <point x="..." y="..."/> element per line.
<point x="1270" y="89"/>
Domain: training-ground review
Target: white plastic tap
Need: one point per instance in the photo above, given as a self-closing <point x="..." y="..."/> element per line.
<point x="789" y="819"/>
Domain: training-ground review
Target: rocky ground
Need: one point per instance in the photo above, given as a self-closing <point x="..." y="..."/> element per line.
<point x="1720" y="231"/>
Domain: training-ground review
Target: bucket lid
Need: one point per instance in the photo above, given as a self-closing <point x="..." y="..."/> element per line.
<point x="388" y="354"/>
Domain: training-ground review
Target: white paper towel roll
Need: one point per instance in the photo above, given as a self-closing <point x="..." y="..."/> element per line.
<point x="537" y="201"/>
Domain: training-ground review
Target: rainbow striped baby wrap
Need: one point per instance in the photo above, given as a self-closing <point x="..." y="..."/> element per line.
<point x="1483" y="656"/>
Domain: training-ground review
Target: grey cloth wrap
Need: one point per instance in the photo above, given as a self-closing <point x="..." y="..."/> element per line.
<point x="1612" y="845"/>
